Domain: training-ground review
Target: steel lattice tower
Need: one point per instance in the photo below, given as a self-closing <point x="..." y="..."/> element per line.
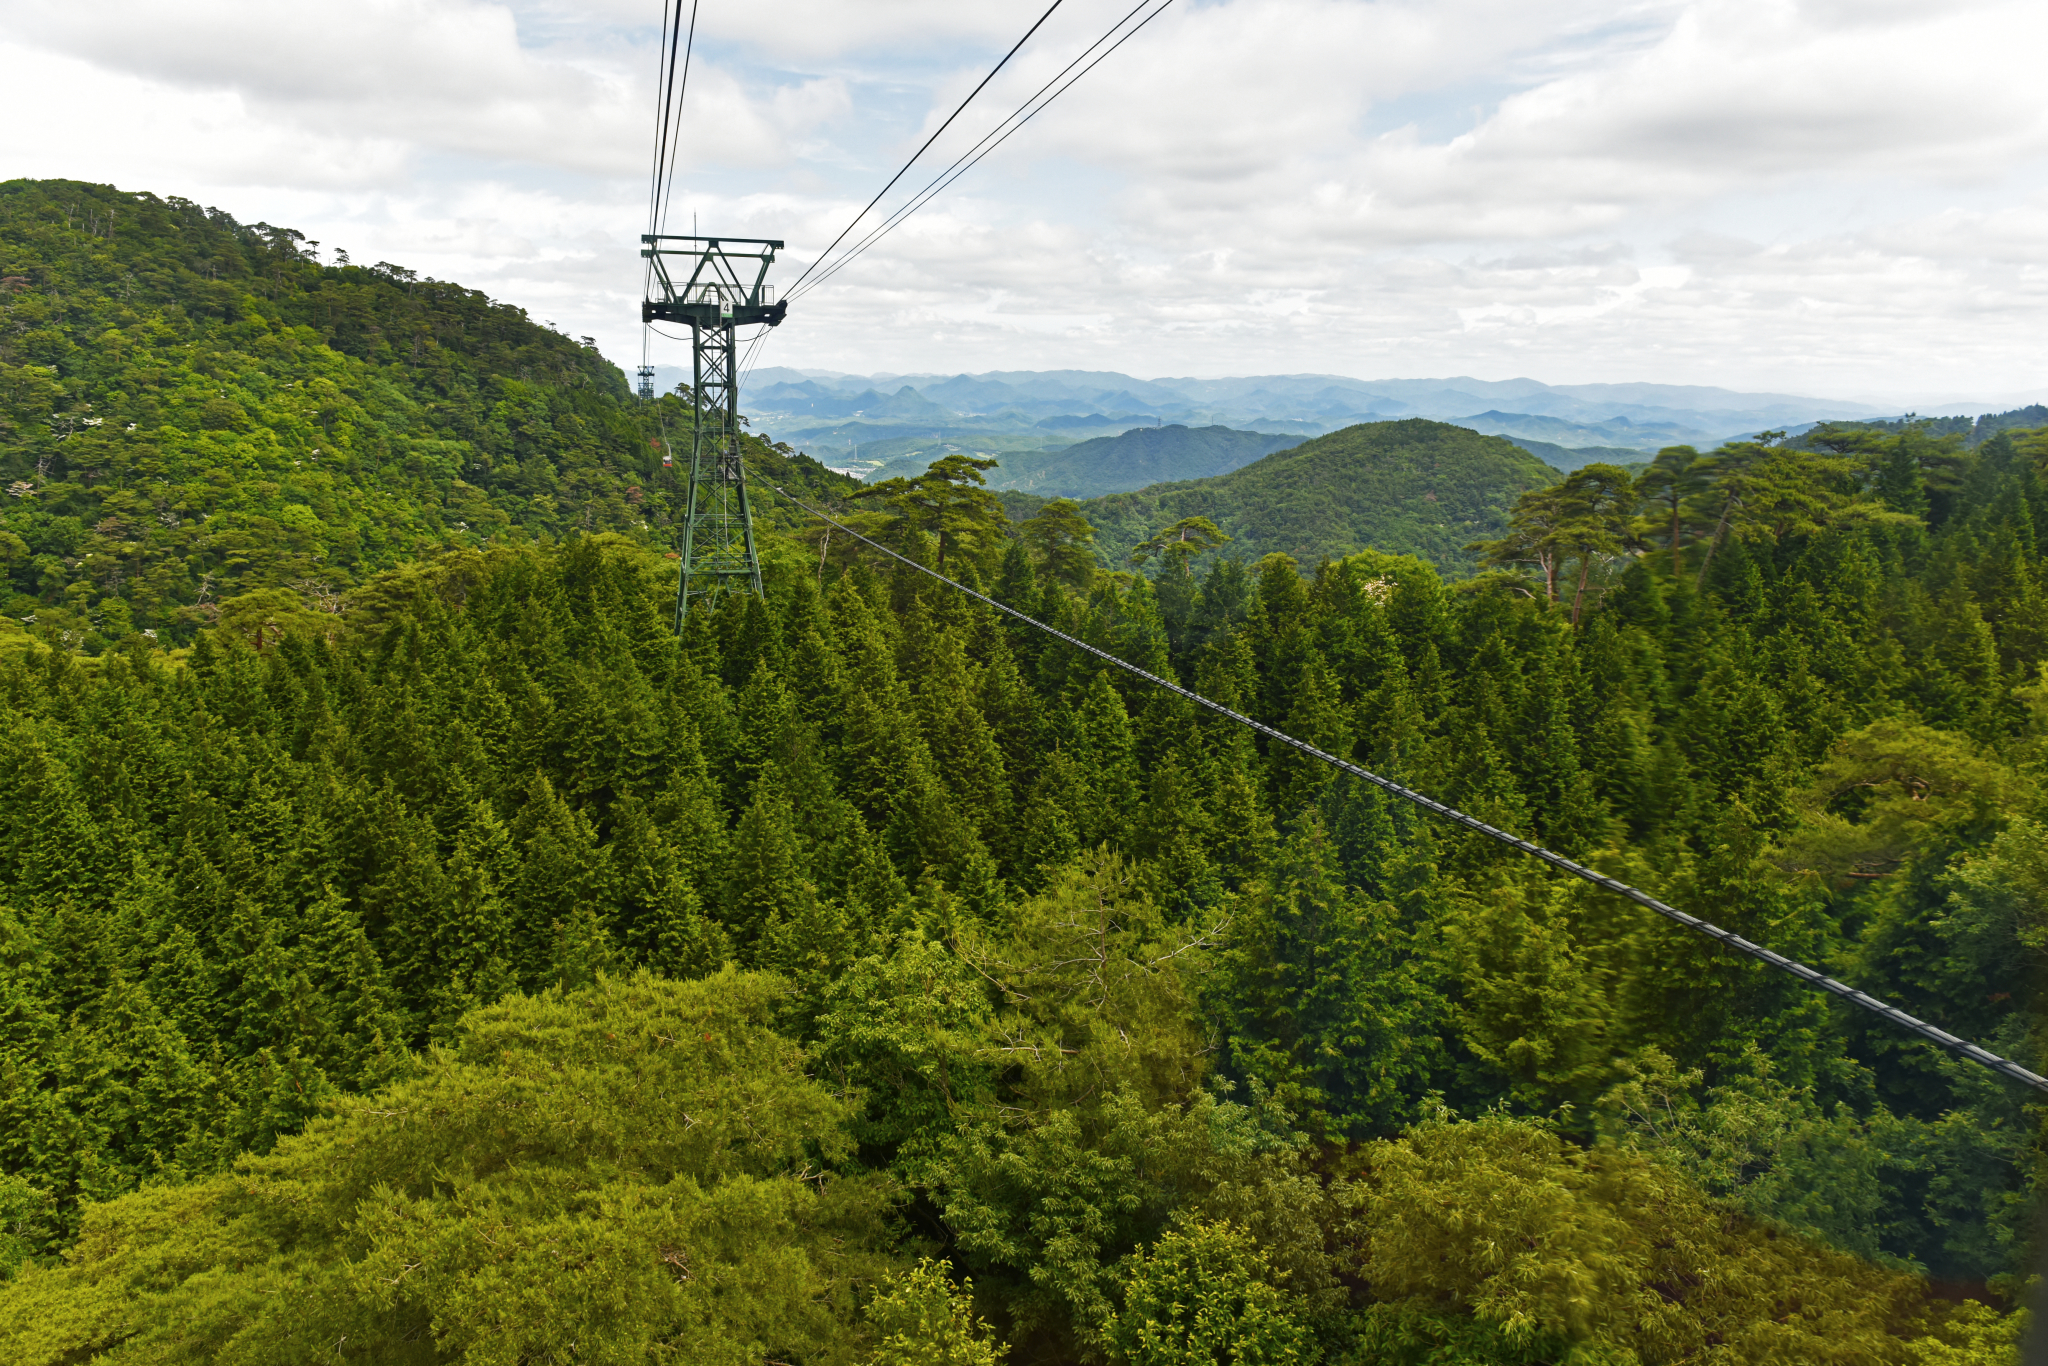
<point x="715" y="299"/>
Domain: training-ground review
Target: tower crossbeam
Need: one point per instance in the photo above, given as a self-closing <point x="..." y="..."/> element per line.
<point x="724" y="289"/>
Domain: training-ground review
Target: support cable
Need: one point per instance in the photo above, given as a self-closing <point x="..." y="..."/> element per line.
<point x="667" y="139"/>
<point x="991" y="140"/>
<point x="927" y="145"/>
<point x="995" y="138"/>
<point x="1890" y="1014"/>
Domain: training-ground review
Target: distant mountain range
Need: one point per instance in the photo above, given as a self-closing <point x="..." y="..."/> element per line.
<point x="865" y="422"/>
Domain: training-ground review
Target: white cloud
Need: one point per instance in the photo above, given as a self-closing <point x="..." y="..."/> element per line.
<point x="1844" y="194"/>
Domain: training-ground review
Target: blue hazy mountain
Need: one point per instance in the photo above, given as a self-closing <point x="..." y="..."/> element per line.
<point x="1625" y="432"/>
<point x="867" y="421"/>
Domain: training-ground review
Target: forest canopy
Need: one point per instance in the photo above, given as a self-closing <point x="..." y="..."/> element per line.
<point x="475" y="969"/>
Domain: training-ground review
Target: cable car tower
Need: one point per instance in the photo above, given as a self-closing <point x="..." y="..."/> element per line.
<point x="721" y="290"/>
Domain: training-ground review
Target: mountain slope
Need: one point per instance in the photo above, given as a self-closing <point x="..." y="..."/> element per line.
<point x="1414" y="487"/>
<point x="193" y="408"/>
<point x="1136" y="458"/>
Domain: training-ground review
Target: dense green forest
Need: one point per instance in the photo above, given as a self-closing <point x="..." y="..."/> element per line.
<point x="479" y="971"/>
<point x="194" y="409"/>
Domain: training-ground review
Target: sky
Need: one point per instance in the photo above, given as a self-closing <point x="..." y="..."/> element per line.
<point x="1846" y="198"/>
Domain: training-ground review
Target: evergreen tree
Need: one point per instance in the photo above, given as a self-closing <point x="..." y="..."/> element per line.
<point x="1327" y="1004"/>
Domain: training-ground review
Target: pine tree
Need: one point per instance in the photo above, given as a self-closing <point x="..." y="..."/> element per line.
<point x="1171" y="836"/>
<point x="963" y="747"/>
<point x="1558" y="791"/>
<point x="765" y="870"/>
<point x="564" y="895"/>
<point x="661" y="921"/>
<point x="1048" y="838"/>
<point x="1244" y="838"/>
<point x="1106" y="751"/>
<point x="355" y="1032"/>
<point x="1328" y="1006"/>
<point x="1315" y="714"/>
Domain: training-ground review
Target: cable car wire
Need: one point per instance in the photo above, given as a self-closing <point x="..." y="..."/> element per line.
<point x="668" y="141"/>
<point x="939" y="183"/>
<point x="945" y="178"/>
<point x="1891" y="1014"/>
<point x="927" y="144"/>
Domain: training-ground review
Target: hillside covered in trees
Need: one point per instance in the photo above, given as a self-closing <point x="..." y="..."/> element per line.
<point x="1414" y="487"/>
<point x="1133" y="459"/>
<point x="478" y="971"/>
<point x="193" y="409"/>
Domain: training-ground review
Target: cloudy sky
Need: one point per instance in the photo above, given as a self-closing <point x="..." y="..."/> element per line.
<point x="1839" y="197"/>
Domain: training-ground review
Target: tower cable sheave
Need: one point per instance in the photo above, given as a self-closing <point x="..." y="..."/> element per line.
<point x="1890" y="1014"/>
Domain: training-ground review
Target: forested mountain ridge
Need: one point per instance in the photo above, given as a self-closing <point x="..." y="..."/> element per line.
<point x="1413" y="487"/>
<point x="192" y="409"/>
<point x="1140" y="457"/>
<point x="1132" y="459"/>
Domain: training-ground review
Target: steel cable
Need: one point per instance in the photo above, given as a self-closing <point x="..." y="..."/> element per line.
<point x="1892" y="1015"/>
<point x="905" y="170"/>
<point x="972" y="157"/>
<point x="944" y="180"/>
<point x="661" y="183"/>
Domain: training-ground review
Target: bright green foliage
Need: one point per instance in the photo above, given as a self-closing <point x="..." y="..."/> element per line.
<point x="1180" y="545"/>
<point x="1330" y="1003"/>
<point x="1766" y="1145"/>
<point x="1045" y="1206"/>
<point x="1974" y="1337"/>
<point x="622" y="1173"/>
<point x="925" y="1320"/>
<point x="906" y="1033"/>
<point x="1062" y="543"/>
<point x="1580" y="522"/>
<point x="949" y="505"/>
<point x="1506" y="1222"/>
<point x="1202" y="1293"/>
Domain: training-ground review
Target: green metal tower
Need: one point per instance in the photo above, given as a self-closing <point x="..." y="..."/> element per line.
<point x="722" y="291"/>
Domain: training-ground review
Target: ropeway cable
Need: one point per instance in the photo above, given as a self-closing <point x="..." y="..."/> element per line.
<point x="994" y="138"/>
<point x="991" y="140"/>
<point x="668" y="134"/>
<point x="928" y="142"/>
<point x="667" y="139"/>
<point x="1891" y="1014"/>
